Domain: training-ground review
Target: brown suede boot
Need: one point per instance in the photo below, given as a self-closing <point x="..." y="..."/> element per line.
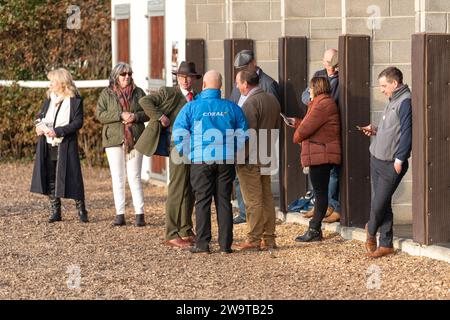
<point x="380" y="252"/>
<point x="334" y="217"/>
<point x="309" y="214"/>
<point x="371" y="241"/>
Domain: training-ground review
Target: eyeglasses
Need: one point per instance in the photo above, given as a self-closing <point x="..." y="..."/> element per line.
<point x="123" y="74"/>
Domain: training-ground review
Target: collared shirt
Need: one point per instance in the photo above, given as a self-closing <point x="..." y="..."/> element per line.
<point x="243" y="98"/>
<point x="185" y="93"/>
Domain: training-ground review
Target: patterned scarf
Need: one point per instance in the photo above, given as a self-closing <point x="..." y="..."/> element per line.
<point x="124" y="95"/>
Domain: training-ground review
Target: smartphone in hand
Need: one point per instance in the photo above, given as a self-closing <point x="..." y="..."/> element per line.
<point x="287" y="120"/>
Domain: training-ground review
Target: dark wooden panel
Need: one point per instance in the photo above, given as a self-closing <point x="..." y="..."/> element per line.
<point x="158" y="164"/>
<point x="292" y="68"/>
<point x="435" y="85"/>
<point x="157" y="47"/>
<point x="195" y="52"/>
<point x="231" y="48"/>
<point x="354" y="82"/>
<point x="123" y="40"/>
<point x="419" y="157"/>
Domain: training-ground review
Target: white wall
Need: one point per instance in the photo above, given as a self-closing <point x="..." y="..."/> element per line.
<point x="175" y="29"/>
<point x="139" y="39"/>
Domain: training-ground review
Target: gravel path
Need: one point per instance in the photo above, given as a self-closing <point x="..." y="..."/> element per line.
<point x="42" y="261"/>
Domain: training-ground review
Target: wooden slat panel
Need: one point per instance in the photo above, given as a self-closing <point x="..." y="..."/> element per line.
<point x="158" y="164"/>
<point x="123" y="40"/>
<point x="419" y="155"/>
<point x="292" y="68"/>
<point x="231" y="48"/>
<point x="157" y="47"/>
<point x="438" y="96"/>
<point x="354" y="82"/>
<point x="195" y="52"/>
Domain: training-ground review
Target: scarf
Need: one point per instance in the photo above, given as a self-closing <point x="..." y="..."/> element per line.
<point x="124" y="95"/>
<point x="58" y="115"/>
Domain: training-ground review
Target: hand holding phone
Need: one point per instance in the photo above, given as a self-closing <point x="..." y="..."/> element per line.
<point x="287" y="120"/>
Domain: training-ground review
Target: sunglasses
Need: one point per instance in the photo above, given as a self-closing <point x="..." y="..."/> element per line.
<point x="123" y="74"/>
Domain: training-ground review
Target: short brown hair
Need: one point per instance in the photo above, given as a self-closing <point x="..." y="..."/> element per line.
<point x="391" y="74"/>
<point x="251" y="77"/>
<point x="320" y="85"/>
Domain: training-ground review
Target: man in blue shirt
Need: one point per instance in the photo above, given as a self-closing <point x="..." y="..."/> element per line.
<point x="208" y="132"/>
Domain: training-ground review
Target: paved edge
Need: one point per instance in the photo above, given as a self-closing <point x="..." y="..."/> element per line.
<point x="406" y="245"/>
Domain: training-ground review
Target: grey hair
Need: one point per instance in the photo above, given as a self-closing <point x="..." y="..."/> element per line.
<point x="117" y="70"/>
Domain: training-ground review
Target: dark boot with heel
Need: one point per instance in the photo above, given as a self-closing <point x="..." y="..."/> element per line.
<point x="119" y="220"/>
<point x="55" y="205"/>
<point x="82" y="212"/>
<point x="140" y="222"/>
<point x="310" y="236"/>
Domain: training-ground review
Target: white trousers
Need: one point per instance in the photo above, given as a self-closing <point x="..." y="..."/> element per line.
<point x="118" y="163"/>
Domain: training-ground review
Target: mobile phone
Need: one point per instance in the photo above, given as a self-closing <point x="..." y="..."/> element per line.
<point x="286" y="119"/>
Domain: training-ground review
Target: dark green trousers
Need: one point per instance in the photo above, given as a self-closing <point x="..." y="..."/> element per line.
<point x="180" y="202"/>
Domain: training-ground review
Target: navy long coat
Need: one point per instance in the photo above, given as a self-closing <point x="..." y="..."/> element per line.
<point x="69" y="180"/>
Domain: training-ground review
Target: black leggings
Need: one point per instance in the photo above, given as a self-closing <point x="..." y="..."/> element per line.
<point x="320" y="177"/>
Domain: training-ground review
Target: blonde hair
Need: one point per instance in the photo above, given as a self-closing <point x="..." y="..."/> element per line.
<point x="65" y="80"/>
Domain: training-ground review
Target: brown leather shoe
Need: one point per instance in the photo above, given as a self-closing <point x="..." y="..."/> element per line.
<point x="268" y="246"/>
<point x="371" y="241"/>
<point x="190" y="239"/>
<point x="246" y="246"/>
<point x="330" y="210"/>
<point x="334" y="217"/>
<point x="309" y="214"/>
<point x="380" y="252"/>
<point x="178" y="243"/>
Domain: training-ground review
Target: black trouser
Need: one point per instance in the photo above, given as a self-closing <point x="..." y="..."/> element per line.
<point x="385" y="181"/>
<point x="320" y="177"/>
<point x="208" y="181"/>
<point x="50" y="168"/>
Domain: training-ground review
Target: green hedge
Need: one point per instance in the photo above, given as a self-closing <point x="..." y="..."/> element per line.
<point x="17" y="135"/>
<point x="35" y="38"/>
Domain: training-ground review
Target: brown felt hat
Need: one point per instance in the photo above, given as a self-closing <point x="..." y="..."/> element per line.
<point x="187" y="69"/>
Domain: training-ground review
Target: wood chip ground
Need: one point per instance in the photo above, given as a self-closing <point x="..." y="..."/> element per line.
<point x="70" y="260"/>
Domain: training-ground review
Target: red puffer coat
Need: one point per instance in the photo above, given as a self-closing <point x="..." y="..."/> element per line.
<point x="319" y="133"/>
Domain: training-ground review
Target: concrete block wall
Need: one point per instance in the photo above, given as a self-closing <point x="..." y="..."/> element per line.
<point x="206" y="19"/>
<point x="433" y="15"/>
<point x="320" y="21"/>
<point x="216" y="20"/>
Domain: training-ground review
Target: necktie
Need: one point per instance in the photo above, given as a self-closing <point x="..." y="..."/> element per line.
<point x="189" y="96"/>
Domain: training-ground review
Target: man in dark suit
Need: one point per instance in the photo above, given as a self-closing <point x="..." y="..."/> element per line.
<point x="162" y="108"/>
<point x="245" y="59"/>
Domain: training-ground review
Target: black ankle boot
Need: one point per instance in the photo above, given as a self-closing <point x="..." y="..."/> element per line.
<point x="119" y="220"/>
<point x="310" y="235"/>
<point x="82" y="212"/>
<point x="55" y="205"/>
<point x="140" y="222"/>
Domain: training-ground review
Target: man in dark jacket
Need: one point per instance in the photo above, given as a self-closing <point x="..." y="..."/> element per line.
<point x="389" y="153"/>
<point x="330" y="71"/>
<point x="162" y="108"/>
<point x="245" y="59"/>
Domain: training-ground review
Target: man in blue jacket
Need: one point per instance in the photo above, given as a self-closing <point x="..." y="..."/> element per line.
<point x="389" y="150"/>
<point x="208" y="132"/>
